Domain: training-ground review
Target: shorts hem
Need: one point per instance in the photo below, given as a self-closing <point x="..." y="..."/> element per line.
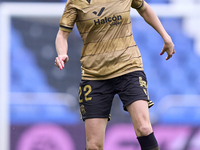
<point x="92" y="117"/>
<point x="124" y="107"/>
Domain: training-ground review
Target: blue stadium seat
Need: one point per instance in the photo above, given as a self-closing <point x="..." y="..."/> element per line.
<point x="25" y="74"/>
<point x="172" y="25"/>
<point x="27" y="114"/>
<point x="179" y="75"/>
<point x="157" y="1"/>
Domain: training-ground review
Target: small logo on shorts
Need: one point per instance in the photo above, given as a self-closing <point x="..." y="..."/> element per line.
<point x="144" y="85"/>
<point x="82" y="109"/>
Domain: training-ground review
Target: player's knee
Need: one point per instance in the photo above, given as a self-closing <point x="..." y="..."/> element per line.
<point x="92" y="145"/>
<point x="144" y="130"/>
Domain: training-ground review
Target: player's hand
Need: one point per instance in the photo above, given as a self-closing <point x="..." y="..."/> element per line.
<point x="61" y="60"/>
<point x="168" y="48"/>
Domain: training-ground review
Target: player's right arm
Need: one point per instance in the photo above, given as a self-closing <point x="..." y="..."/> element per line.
<point x="61" y="48"/>
<point x="67" y="22"/>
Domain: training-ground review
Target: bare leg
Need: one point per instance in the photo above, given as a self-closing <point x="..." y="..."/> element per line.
<point x="95" y="133"/>
<point x="139" y="113"/>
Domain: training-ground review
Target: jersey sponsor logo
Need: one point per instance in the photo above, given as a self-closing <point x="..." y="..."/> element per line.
<point x="114" y="20"/>
<point x="88" y="1"/>
<point x="100" y="12"/>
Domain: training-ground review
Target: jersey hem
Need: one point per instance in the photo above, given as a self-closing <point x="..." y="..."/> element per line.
<point x="112" y="76"/>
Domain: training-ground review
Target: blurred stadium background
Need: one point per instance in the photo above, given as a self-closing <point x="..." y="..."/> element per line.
<point x="38" y="102"/>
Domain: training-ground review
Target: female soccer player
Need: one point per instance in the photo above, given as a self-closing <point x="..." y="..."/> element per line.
<point x="111" y="64"/>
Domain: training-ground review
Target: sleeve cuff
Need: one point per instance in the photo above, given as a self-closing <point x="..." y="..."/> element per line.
<point x="67" y="29"/>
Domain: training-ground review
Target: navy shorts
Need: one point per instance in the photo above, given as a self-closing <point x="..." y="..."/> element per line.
<point x="96" y="96"/>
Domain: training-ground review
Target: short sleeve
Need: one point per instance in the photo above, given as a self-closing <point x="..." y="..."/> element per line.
<point x="137" y="4"/>
<point x="69" y="16"/>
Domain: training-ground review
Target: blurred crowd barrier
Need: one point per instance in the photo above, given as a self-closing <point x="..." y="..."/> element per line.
<point x="119" y="136"/>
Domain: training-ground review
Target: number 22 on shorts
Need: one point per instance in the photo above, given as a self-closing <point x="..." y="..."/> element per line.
<point x="87" y="89"/>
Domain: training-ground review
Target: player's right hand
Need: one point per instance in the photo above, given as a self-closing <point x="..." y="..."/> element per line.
<point x="61" y="60"/>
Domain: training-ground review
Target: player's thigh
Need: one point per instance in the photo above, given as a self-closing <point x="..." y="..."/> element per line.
<point x="133" y="87"/>
<point x="95" y="130"/>
<point x="139" y="113"/>
<point x="95" y="99"/>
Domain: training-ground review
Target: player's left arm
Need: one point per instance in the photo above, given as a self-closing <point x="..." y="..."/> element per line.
<point x="152" y="19"/>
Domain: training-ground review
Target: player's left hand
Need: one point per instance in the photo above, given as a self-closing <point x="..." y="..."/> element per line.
<point x="168" y="48"/>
